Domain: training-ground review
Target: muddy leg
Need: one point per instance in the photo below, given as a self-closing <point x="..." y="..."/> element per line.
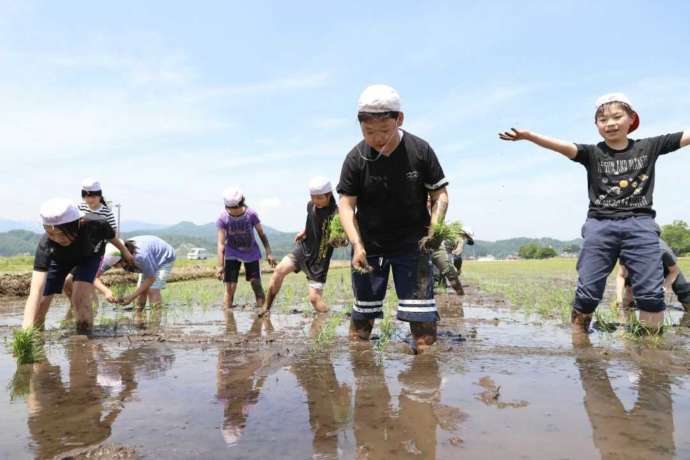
<point x="285" y="267"/>
<point x="361" y="329"/>
<point x="579" y="323"/>
<point x="82" y="296"/>
<point x="457" y="286"/>
<point x="36" y="317"/>
<point x="652" y="321"/>
<point x="258" y="292"/>
<point x="424" y="335"/>
<point x="154" y="297"/>
<point x="141" y="300"/>
<point x="317" y="301"/>
<point x="67" y="290"/>
<point x="229" y="294"/>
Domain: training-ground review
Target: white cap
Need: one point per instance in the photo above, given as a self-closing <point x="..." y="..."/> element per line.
<point x="613" y="97"/>
<point x="111" y="257"/>
<point x="319" y="185"/>
<point x="232" y="196"/>
<point x="91" y="185"/>
<point x="58" y="211"/>
<point x="468" y="231"/>
<point x="379" y="99"/>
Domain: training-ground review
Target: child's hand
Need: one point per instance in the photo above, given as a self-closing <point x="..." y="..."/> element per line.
<point x="220" y="272"/>
<point x="300" y="236"/>
<point x="514" y="134"/>
<point x="110" y="297"/>
<point x="271" y="261"/>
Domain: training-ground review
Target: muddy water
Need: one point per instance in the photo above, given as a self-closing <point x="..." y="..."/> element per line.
<point x="200" y="383"/>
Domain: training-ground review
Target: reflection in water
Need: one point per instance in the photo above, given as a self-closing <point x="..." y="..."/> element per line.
<point x="379" y="432"/>
<point x="240" y="377"/>
<point x="644" y="432"/>
<point x="80" y="413"/>
<point x="327" y="400"/>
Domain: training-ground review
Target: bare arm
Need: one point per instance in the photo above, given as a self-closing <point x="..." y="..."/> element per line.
<point x="439" y="205"/>
<point x="685" y="140"/>
<point x="143" y="287"/>
<point x="220" y="249"/>
<point x="33" y="316"/>
<point x="567" y="149"/>
<point x="673" y="272"/>
<point x="267" y="246"/>
<point x="346" y="210"/>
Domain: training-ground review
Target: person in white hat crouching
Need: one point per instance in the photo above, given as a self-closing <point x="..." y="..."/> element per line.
<point x="73" y="242"/>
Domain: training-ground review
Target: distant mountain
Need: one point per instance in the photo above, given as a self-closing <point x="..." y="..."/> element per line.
<point x="18" y="242"/>
<point x="136" y="225"/>
<point x="7" y="225"/>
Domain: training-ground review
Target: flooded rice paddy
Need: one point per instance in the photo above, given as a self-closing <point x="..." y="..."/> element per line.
<point x="198" y="382"/>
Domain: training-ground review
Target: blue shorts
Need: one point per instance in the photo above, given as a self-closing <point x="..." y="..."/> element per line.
<point x="85" y="271"/>
<point x="412" y="276"/>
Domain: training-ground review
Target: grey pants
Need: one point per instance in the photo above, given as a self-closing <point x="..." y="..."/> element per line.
<point x="636" y="241"/>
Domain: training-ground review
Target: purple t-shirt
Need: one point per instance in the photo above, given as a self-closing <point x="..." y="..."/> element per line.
<point x="240" y="243"/>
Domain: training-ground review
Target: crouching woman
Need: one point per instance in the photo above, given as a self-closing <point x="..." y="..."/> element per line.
<point x="73" y="242"/>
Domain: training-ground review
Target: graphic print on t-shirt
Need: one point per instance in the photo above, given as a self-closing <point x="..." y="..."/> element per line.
<point x="239" y="234"/>
<point x="624" y="182"/>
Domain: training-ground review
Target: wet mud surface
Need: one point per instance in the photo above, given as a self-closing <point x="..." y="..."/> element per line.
<point x="193" y="382"/>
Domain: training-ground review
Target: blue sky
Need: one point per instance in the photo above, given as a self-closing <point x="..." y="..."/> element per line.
<point x="167" y="103"/>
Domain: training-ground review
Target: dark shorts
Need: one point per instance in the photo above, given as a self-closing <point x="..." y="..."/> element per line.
<point x="412" y="276"/>
<point x="85" y="271"/>
<point x="252" y="270"/>
<point x="317" y="272"/>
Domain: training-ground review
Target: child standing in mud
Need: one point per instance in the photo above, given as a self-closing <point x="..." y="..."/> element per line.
<point x="312" y="253"/>
<point x="237" y="246"/>
<point x="384" y="185"/>
<point x="72" y="242"/>
<point x="93" y="202"/>
<point x="620" y="221"/>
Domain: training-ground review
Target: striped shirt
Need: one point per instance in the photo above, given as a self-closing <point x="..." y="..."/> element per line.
<point x="104" y="211"/>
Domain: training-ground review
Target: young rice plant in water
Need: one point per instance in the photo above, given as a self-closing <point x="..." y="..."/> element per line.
<point x="27" y="345"/>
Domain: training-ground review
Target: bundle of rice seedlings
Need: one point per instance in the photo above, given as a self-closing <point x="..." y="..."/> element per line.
<point x="336" y="233"/>
<point x="27" y="345"/>
<point x="448" y="233"/>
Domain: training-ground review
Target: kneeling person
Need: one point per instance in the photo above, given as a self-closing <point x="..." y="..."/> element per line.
<point x="312" y="253"/>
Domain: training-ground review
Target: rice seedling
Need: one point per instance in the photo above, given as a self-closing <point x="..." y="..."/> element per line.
<point x="27" y="345"/>
<point x="336" y="233"/>
<point x="448" y="233"/>
<point x="387" y="325"/>
<point x="19" y="386"/>
<point x="327" y="334"/>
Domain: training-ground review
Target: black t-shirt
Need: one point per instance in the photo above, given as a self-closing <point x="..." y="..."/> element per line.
<point x="315" y="247"/>
<point x="621" y="182"/>
<point x="392" y="193"/>
<point x="93" y="232"/>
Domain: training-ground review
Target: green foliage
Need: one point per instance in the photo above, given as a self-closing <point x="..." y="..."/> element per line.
<point x="17" y="242"/>
<point x="448" y="233"/>
<point x="27" y="345"/>
<point x="677" y="235"/>
<point x="534" y="251"/>
<point x="571" y="249"/>
<point x="336" y="233"/>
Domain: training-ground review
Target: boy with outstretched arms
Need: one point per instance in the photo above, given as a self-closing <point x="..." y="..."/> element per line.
<point x="620" y="220"/>
<point x="384" y="184"/>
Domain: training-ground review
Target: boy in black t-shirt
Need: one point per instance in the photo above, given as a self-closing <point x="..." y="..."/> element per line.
<point x="75" y="243"/>
<point x="620" y="222"/>
<point x="312" y="253"/>
<point x="384" y="185"/>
